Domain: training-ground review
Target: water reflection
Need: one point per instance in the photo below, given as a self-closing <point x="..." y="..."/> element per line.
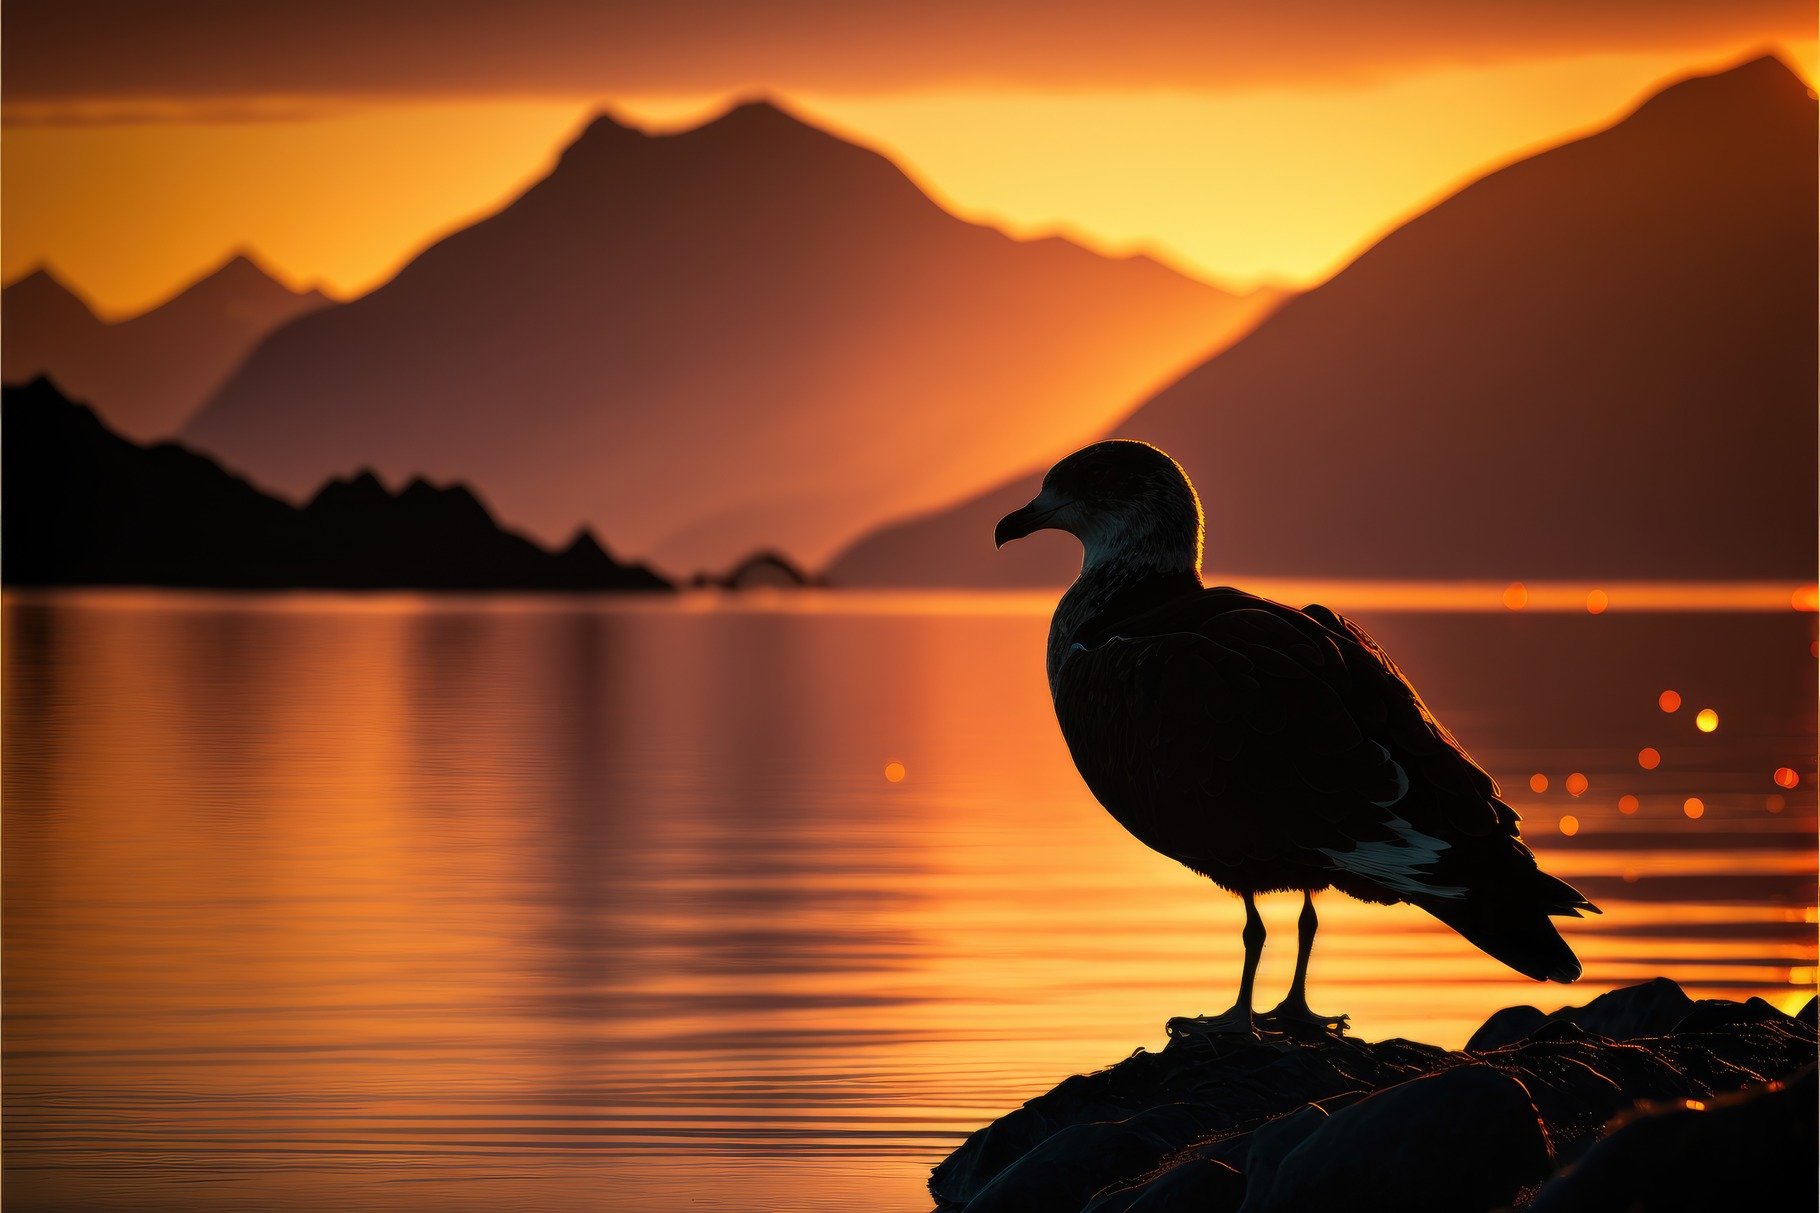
<point x="355" y="903"/>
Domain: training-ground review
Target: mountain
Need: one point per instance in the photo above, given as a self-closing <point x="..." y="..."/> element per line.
<point x="147" y="374"/>
<point x="749" y="334"/>
<point x="1596" y="362"/>
<point x="84" y="506"/>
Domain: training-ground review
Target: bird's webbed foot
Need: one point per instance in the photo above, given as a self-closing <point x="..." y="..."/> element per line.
<point x="1237" y="1022"/>
<point x="1294" y="1018"/>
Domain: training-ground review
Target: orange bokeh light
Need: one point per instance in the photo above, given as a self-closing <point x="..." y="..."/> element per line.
<point x="1775" y="803"/>
<point x="1627" y="803"/>
<point x="1669" y="701"/>
<point x="1805" y="598"/>
<point x="1649" y="758"/>
<point x="1707" y="720"/>
<point x="895" y="772"/>
<point x="1787" y="777"/>
<point x="1597" y="602"/>
<point x="1538" y="782"/>
<point x="1570" y="825"/>
<point x="1576" y="784"/>
<point x="1694" y="807"/>
<point x="1516" y="596"/>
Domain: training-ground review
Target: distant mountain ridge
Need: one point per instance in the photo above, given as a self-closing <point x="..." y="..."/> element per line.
<point x="749" y="334"/>
<point x="1598" y="361"/>
<point x="149" y="373"/>
<point x="84" y="506"/>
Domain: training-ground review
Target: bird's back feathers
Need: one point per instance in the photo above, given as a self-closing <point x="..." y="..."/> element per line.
<point x="1272" y="748"/>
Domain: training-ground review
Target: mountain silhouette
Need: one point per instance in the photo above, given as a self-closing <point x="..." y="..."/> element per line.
<point x="145" y="375"/>
<point x="744" y="335"/>
<point x="1598" y="361"/>
<point x="84" y="506"/>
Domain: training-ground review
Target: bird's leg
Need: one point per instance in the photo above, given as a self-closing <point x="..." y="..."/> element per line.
<point x="1293" y="1011"/>
<point x="1239" y="1020"/>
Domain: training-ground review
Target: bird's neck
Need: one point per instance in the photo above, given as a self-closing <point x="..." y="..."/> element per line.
<point x="1118" y="580"/>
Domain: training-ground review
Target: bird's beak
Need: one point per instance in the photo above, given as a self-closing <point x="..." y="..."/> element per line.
<point x="1019" y="523"/>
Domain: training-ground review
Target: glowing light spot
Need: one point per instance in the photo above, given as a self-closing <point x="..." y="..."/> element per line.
<point x="1801" y="977"/>
<point x="1649" y="758"/>
<point x="1694" y="807"/>
<point x="1576" y="784"/>
<point x="1630" y="876"/>
<point x="1669" y="701"/>
<point x="1695" y="1105"/>
<point x="1775" y="802"/>
<point x="1627" y="804"/>
<point x="1570" y="825"/>
<point x="895" y="772"/>
<point x="1538" y="782"/>
<point x="1516" y="596"/>
<point x="1707" y="720"/>
<point x="1597" y="601"/>
<point x="1787" y="777"/>
<point x="1805" y="598"/>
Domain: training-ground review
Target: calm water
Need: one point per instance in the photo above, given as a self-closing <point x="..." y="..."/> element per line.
<point x="386" y="903"/>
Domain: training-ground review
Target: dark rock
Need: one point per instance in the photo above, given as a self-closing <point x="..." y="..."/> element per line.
<point x="1755" y="1150"/>
<point x="1218" y="1087"/>
<point x="1391" y="1124"/>
<point x="1466" y="1138"/>
<point x="1652" y="1008"/>
<point x="1194" y="1185"/>
<point x="1273" y="1142"/>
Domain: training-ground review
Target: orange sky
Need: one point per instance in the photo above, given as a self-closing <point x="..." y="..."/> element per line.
<point x="128" y="186"/>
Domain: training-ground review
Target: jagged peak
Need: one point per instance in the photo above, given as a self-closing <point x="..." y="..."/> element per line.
<point x="40" y="277"/>
<point x="241" y="273"/>
<point x="363" y="485"/>
<point x="602" y="135"/>
<point x="41" y="286"/>
<point x="584" y="545"/>
<point x="759" y="116"/>
<point x="1764" y="79"/>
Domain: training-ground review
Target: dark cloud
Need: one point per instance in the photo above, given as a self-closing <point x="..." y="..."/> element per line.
<point x="85" y="50"/>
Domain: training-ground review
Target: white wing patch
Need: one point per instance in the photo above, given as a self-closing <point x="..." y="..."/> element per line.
<point x="1403" y="865"/>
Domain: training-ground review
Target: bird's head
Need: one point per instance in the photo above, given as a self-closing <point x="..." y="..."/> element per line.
<point x="1123" y="500"/>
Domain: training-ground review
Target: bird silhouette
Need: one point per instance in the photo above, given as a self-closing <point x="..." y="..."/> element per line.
<point x="1268" y="749"/>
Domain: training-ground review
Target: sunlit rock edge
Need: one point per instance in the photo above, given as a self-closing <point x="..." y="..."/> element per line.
<point x="1643" y="1096"/>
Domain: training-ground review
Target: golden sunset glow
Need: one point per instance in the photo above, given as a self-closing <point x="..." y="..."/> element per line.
<point x="1279" y="185"/>
<point x="495" y="488"/>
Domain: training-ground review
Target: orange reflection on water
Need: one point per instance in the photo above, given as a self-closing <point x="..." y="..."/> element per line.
<point x="304" y="895"/>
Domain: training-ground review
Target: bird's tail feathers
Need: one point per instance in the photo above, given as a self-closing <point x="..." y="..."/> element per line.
<point x="1517" y="932"/>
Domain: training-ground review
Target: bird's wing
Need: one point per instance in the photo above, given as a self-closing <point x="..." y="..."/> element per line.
<point x="1229" y="729"/>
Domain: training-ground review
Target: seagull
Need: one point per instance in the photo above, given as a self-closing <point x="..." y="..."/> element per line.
<point x="1266" y="748"/>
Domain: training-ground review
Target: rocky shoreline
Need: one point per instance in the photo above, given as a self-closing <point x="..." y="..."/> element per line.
<point x="1642" y="1099"/>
